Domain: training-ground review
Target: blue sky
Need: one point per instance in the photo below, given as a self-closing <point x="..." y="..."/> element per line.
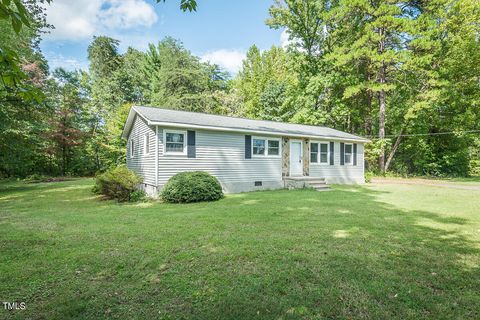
<point x="220" y="31"/>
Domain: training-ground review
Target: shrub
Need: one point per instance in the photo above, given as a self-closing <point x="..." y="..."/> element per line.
<point x="138" y="195"/>
<point x="192" y="187"/>
<point x="118" y="183"/>
<point x="368" y="176"/>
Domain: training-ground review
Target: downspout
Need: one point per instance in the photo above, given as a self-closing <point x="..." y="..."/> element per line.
<point x="156" y="157"/>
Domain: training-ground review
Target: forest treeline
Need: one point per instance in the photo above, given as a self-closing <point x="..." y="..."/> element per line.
<point x="402" y="73"/>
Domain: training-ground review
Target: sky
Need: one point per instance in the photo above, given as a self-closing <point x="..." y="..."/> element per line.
<point x="219" y="31"/>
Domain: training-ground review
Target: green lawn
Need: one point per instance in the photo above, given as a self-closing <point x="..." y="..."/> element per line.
<point x="372" y="252"/>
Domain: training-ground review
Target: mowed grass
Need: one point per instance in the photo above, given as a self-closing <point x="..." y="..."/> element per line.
<point x="369" y="252"/>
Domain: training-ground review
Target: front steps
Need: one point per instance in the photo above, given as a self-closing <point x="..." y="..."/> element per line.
<point x="318" y="184"/>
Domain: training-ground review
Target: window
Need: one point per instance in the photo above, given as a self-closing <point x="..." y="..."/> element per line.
<point x="175" y="142"/>
<point x="146" y="144"/>
<point x="319" y="153"/>
<point x="273" y="147"/>
<point x="323" y="152"/>
<point x="265" y="147"/>
<point x="348" y="153"/>
<point x="131" y="148"/>
<point x="314" y="152"/>
<point x="258" y="147"/>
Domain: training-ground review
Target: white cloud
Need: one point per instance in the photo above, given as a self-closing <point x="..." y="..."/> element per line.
<point x="284" y="39"/>
<point x="81" y="19"/>
<point x="230" y="60"/>
<point x="287" y="41"/>
<point x="56" y="60"/>
<point x="127" y="14"/>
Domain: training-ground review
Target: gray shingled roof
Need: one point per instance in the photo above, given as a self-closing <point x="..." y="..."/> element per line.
<point x="158" y="115"/>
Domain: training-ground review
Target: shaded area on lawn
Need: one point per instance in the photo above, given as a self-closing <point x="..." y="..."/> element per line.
<point x="274" y="254"/>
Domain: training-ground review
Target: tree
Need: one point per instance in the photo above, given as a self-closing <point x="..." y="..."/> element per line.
<point x="263" y="83"/>
<point x="13" y="16"/>
<point x="371" y="36"/>
<point x="64" y="133"/>
<point x="317" y="97"/>
<point x="190" y="5"/>
<point x="23" y="74"/>
<point x="179" y="80"/>
<point x="411" y="65"/>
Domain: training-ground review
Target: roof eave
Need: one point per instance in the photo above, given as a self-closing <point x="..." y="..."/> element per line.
<point x="128" y="124"/>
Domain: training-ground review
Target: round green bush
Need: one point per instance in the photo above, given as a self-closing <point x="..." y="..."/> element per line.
<point x="192" y="186"/>
<point x="118" y="183"/>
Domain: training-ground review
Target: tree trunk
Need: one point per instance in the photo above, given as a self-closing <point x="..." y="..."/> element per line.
<point x="382" y="103"/>
<point x="381" y="130"/>
<point x="64" y="160"/>
<point x="368" y="117"/>
<point x="394" y="149"/>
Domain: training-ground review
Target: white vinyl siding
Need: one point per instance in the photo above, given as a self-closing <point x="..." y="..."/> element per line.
<point x="141" y="161"/>
<point x="338" y="173"/>
<point x="222" y="154"/>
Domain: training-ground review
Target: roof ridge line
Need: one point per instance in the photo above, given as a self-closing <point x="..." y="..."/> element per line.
<point x="235" y="117"/>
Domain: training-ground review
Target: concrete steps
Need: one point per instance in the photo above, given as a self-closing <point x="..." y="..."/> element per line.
<point x="316" y="183"/>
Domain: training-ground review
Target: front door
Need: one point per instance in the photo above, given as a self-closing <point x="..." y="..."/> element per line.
<point x="296" y="161"/>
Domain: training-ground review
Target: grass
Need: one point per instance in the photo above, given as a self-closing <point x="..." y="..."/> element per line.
<point x="371" y="252"/>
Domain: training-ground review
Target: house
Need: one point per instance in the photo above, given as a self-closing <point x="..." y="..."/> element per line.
<point x="243" y="154"/>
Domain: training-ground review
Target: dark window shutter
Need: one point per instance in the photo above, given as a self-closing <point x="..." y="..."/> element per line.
<point x="191" y="149"/>
<point x="354" y="154"/>
<point x="248" y="147"/>
<point x="342" y="153"/>
<point x="332" y="153"/>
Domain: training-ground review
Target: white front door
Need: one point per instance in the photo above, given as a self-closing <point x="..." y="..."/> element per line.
<point x="296" y="161"/>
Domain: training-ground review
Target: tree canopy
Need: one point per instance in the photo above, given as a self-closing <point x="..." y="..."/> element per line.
<point x="405" y="74"/>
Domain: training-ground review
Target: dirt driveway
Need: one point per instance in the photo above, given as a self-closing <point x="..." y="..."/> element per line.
<point x="436" y="183"/>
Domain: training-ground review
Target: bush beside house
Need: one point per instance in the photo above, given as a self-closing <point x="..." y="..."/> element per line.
<point x="119" y="183"/>
<point x="192" y="186"/>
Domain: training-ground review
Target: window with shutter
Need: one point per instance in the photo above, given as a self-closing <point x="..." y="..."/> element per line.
<point x="175" y="142"/>
<point x="348" y="154"/>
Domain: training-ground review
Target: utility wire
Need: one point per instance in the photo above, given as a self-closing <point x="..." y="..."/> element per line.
<point x="427" y="134"/>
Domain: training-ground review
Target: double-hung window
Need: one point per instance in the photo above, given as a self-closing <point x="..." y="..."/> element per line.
<point x="264" y="147"/>
<point x="323" y="152"/>
<point x="319" y="152"/>
<point x="348" y="153"/>
<point x="258" y="146"/>
<point x="273" y="147"/>
<point x="175" y="142"/>
<point x="132" y="146"/>
<point x="314" y="152"/>
<point x="146" y="144"/>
